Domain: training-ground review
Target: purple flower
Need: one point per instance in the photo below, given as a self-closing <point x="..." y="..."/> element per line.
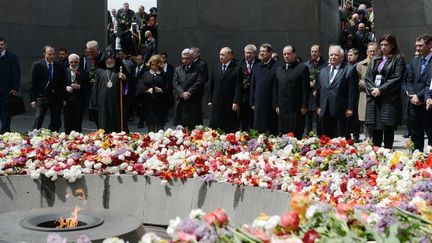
<point x="200" y="229"/>
<point x="83" y="239"/>
<point x="209" y="178"/>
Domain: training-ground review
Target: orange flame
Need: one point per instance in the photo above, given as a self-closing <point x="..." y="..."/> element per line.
<point x="71" y="222"/>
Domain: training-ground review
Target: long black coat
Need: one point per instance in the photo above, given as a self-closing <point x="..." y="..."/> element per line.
<point x="224" y="90"/>
<point x="156" y="104"/>
<point x="107" y="101"/>
<point x="386" y="108"/>
<point x="77" y="97"/>
<point x="10" y="74"/>
<point x="188" y="113"/>
<point x="291" y="93"/>
<point x="263" y="79"/>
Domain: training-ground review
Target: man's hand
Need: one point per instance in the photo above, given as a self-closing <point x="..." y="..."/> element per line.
<point x="158" y="90"/>
<point x="150" y="91"/>
<point x="348" y="113"/>
<point x="122" y="76"/>
<point x="375" y="92"/>
<point x="312" y="83"/>
<point x="69" y="89"/>
<point x="277" y="110"/>
<point x="303" y="110"/>
<point x="415" y="100"/>
<point x="253" y="108"/>
<point x="64" y="103"/>
<point x="14" y="92"/>
<point x="186" y="95"/>
<point x="33" y="104"/>
<point x="75" y="86"/>
<point x="318" y="111"/>
<point x="209" y="104"/>
<point x="235" y="107"/>
<point x="429" y="104"/>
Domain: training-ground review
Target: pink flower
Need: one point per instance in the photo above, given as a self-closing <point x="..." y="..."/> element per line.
<point x="217" y="217"/>
<point x="290" y="221"/>
<point x="185" y="237"/>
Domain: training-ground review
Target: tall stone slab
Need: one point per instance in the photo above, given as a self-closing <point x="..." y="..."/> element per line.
<point x="405" y="19"/>
<point x="30" y="25"/>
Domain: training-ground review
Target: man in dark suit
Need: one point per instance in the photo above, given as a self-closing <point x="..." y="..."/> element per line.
<point x="10" y="78"/>
<point x="138" y="101"/>
<point x="420" y="120"/>
<point x="291" y="93"/>
<point x="224" y="92"/>
<point x="47" y="89"/>
<point x="337" y="94"/>
<point x="169" y="75"/>
<point x="314" y="64"/>
<point x="188" y="92"/>
<point x="261" y="91"/>
<point x="247" y="66"/>
<point x="77" y="81"/>
<point x="200" y="64"/>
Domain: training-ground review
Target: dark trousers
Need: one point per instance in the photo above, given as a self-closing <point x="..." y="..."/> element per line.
<point x="42" y="106"/>
<point x="377" y="137"/>
<point x="309" y="123"/>
<point x="335" y="126"/>
<point x="420" y="122"/>
<point x="246" y="117"/>
<point x="73" y="116"/>
<point x="5" y="120"/>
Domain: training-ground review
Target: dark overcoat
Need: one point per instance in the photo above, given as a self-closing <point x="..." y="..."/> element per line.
<point x="386" y="108"/>
<point x="224" y="90"/>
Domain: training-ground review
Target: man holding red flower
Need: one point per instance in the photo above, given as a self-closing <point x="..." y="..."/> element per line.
<point x="77" y="81"/>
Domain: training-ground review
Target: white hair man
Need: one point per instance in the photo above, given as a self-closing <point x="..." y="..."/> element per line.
<point x="337" y="94"/>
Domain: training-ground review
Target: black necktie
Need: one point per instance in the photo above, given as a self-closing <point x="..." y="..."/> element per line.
<point x="223" y="68"/>
<point x="50" y="72"/>
<point x="332" y="74"/>
<point x="423" y="65"/>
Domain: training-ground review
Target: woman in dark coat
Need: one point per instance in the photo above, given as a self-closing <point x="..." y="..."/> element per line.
<point x="153" y="89"/>
<point x="383" y="80"/>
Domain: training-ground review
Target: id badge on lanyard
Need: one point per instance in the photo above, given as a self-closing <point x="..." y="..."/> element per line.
<point x="378" y="79"/>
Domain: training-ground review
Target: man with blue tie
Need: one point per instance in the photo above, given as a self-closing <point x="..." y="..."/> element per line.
<point x="47" y="89"/>
<point x="337" y="94"/>
<point x="420" y="120"/>
<point x="10" y="78"/>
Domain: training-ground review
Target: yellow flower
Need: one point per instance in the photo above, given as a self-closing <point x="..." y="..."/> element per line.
<point x="395" y="159"/>
<point x="105" y="145"/>
<point x="262" y="216"/>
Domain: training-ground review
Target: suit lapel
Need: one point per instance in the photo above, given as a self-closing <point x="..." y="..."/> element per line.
<point x="338" y="75"/>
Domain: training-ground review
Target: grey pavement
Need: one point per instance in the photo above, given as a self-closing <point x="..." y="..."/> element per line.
<point x="23" y="123"/>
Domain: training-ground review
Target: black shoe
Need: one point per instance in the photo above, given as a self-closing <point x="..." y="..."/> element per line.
<point x="407" y="135"/>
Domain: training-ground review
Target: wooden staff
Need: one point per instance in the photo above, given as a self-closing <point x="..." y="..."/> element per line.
<point x="121" y="99"/>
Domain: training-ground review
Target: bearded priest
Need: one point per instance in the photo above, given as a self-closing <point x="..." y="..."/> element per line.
<point x="108" y="93"/>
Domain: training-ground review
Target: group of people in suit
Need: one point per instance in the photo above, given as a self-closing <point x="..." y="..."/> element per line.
<point x="255" y="93"/>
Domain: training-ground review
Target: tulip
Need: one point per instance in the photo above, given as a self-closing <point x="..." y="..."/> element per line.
<point x="290" y="221"/>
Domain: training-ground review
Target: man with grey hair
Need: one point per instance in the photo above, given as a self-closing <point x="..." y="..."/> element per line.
<point x="337" y="94"/>
<point x="200" y="64"/>
<point x="77" y="81"/>
<point x="261" y="91"/>
<point x="224" y="92"/>
<point x="188" y="92"/>
<point x="247" y="66"/>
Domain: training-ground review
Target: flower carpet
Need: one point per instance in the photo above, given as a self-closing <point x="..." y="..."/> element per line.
<point x="339" y="190"/>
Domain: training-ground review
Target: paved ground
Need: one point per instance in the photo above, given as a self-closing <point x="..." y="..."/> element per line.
<point x="23" y="123"/>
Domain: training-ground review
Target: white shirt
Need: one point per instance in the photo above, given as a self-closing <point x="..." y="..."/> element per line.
<point x="3" y="53"/>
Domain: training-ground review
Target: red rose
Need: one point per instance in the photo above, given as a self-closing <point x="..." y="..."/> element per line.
<point x="311" y="236"/>
<point x="290" y="221"/>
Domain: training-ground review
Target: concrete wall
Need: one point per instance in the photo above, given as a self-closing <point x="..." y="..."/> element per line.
<point x="210" y="25"/>
<point x="405" y="20"/>
<point x="141" y="197"/>
<point x="30" y="25"/>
